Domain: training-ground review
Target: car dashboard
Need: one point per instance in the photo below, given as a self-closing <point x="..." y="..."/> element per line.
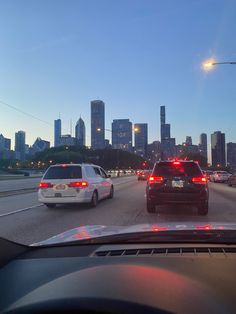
<point x="119" y="278"/>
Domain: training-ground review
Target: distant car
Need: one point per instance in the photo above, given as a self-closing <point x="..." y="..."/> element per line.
<point x="74" y="183"/>
<point x="219" y="176"/>
<point x="144" y="175"/>
<point x="232" y="180"/>
<point x="177" y="182"/>
<point x="208" y="173"/>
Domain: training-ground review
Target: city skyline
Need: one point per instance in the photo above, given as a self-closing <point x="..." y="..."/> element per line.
<point x="134" y="66"/>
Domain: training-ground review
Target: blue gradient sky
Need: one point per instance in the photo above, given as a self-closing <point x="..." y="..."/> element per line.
<point x="56" y="56"/>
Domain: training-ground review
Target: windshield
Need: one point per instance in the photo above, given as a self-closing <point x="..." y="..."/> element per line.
<point x="63" y="172"/>
<point x="116" y="116"/>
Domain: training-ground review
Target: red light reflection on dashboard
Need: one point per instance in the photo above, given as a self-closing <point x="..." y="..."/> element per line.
<point x="158" y="228"/>
<point x="204" y="227"/>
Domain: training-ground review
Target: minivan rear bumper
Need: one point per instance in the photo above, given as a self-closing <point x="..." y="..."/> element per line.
<point x="82" y="197"/>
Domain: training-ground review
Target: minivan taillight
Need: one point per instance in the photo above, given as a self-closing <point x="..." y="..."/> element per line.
<point x="45" y="185"/>
<point x="199" y="180"/>
<point x="155" y="179"/>
<point x="78" y="184"/>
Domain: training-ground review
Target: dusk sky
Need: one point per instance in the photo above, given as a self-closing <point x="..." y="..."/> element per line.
<point x="56" y="56"/>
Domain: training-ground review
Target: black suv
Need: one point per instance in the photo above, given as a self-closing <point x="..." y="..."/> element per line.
<point x="179" y="182"/>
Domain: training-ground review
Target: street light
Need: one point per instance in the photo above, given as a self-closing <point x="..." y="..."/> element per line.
<point x="208" y="65"/>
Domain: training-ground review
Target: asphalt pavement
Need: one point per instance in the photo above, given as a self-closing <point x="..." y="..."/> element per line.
<point x="24" y="220"/>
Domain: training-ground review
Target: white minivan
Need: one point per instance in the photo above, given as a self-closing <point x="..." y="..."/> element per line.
<point x="74" y="183"/>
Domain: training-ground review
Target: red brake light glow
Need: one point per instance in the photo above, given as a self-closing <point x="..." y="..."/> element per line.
<point x="204" y="227"/>
<point x="154" y="179"/>
<point x="176" y="163"/>
<point x="79" y="184"/>
<point x="45" y="185"/>
<point x="199" y="180"/>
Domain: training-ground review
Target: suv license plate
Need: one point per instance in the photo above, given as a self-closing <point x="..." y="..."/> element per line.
<point x="177" y="184"/>
<point x="57" y="194"/>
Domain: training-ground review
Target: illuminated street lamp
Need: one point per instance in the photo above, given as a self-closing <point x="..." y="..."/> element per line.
<point x="209" y="64"/>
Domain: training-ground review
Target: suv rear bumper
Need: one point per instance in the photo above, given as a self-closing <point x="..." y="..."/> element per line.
<point x="177" y="198"/>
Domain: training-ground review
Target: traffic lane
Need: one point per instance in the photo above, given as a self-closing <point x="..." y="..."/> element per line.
<point x="41" y="223"/>
<point x="223" y="189"/>
<point x="222" y="208"/>
<point x="12" y="203"/>
<point x="127" y="208"/>
<point x="17" y="184"/>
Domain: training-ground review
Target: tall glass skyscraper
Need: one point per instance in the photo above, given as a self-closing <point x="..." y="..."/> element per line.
<point x="80" y="132"/>
<point x="97" y="124"/>
<point x="141" y="139"/>
<point x="20" y="144"/>
<point x="122" y="134"/>
<point x="218" y="149"/>
<point x="203" y="144"/>
<point x="57" y="132"/>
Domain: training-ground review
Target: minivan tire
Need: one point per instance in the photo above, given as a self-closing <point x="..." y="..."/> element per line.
<point x="94" y="200"/>
<point x="111" y="195"/>
<point x="50" y="205"/>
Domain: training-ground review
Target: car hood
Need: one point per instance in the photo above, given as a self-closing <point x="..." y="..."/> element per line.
<point x="96" y="231"/>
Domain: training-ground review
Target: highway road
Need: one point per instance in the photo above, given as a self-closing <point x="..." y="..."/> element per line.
<point x="24" y="220"/>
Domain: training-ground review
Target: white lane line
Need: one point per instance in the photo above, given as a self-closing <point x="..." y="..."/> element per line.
<point x="20" y="210"/>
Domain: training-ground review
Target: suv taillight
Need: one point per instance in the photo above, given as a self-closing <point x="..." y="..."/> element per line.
<point x="79" y="184"/>
<point x="199" y="180"/>
<point x="45" y="185"/>
<point x="155" y="179"/>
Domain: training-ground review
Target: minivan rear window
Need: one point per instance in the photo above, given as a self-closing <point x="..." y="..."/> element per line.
<point x="184" y="169"/>
<point x="64" y="172"/>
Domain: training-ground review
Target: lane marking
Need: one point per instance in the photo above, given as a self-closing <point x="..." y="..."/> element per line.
<point x="40" y="205"/>
<point x="20" y="210"/>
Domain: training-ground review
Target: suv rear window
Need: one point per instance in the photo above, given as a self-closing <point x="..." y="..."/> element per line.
<point x="64" y="172"/>
<point x="184" y="169"/>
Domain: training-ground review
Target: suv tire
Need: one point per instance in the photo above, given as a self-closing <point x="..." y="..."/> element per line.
<point x="151" y="208"/>
<point x="203" y="209"/>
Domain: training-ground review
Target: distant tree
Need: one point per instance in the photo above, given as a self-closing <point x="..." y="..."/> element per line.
<point x="195" y="157"/>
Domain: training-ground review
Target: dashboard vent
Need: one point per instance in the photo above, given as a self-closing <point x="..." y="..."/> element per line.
<point x="176" y="251"/>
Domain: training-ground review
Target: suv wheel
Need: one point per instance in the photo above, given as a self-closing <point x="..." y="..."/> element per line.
<point x="94" y="200"/>
<point x="203" y="209"/>
<point x="111" y="195"/>
<point x="50" y="205"/>
<point x="151" y="207"/>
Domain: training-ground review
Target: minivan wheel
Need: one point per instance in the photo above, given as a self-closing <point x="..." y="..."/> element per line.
<point x="111" y="195"/>
<point x="94" y="200"/>
<point x="203" y="209"/>
<point x="151" y="208"/>
<point x="50" y="205"/>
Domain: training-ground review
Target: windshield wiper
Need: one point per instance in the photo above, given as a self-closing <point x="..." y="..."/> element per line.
<point x="176" y="236"/>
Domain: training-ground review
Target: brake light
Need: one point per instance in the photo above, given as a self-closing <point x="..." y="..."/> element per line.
<point x="176" y="163"/>
<point x="199" y="180"/>
<point x="157" y="228"/>
<point x="45" y="185"/>
<point x="79" y="184"/>
<point x="154" y="179"/>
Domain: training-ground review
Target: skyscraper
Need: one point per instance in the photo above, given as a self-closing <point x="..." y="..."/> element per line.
<point x="122" y="134"/>
<point x="203" y="145"/>
<point x="57" y="132"/>
<point x="5" y="143"/>
<point x="167" y="143"/>
<point x="231" y="155"/>
<point x="165" y="128"/>
<point x="80" y="132"/>
<point x="20" y="144"/>
<point x="141" y="139"/>
<point x="97" y="124"/>
<point x="218" y="149"/>
<point x="189" y="141"/>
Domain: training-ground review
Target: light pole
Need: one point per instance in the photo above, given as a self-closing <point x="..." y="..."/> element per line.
<point x="210" y="63"/>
